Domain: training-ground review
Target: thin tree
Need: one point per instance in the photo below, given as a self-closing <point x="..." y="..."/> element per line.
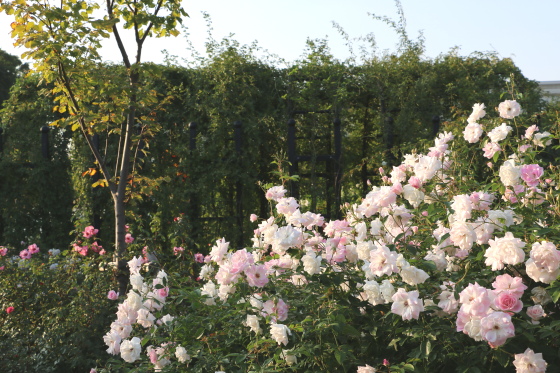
<point x="63" y="39"/>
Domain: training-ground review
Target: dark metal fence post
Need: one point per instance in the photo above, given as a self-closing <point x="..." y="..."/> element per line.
<point x="389" y="138"/>
<point x="292" y="158"/>
<point x="45" y="141"/>
<point x="192" y="135"/>
<point x="192" y="212"/>
<point x="238" y="139"/>
<point x="337" y="166"/>
<point x="435" y="125"/>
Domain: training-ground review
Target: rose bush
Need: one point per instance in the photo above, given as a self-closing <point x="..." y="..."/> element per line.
<point x="56" y="307"/>
<point x="453" y="271"/>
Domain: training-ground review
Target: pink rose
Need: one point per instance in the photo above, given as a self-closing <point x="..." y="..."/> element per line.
<point x="178" y="250"/>
<point x="163" y="292"/>
<point x="152" y="354"/>
<point x="524" y="148"/>
<point x="531" y="174"/>
<point x="512" y="284"/>
<point x="490" y="149"/>
<point x="256" y="275"/>
<point x="128" y="238"/>
<point x="199" y="258"/>
<point x="113" y="295"/>
<point x="90" y="231"/>
<point x="96" y="247"/>
<point x="33" y="249"/>
<point x="496" y="328"/>
<point x="535" y="313"/>
<point x="415" y="182"/>
<point x="3" y="250"/>
<point x="253" y="218"/>
<point x="530" y="131"/>
<point x="9" y="310"/>
<point x="397" y="188"/>
<point x="25" y="254"/>
<point x="508" y="302"/>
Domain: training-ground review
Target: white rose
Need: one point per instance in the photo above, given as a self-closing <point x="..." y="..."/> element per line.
<point x="134" y="300"/>
<point x="413" y="195"/>
<point x="477" y="113"/>
<point x="279" y="333"/>
<point x="472" y="132"/>
<point x="499" y="133"/>
<point x="137" y="281"/>
<point x="181" y="354"/>
<point x="509" y="109"/>
<point x="387" y="289"/>
<point x="289" y="357"/>
<point x="426" y="167"/>
<point x="130" y="350"/>
<point x="509" y="173"/>
<point x="413" y="276"/>
<point x="311" y="263"/>
<point x="538" y="139"/>
<point x="167" y="319"/>
<point x="373" y="293"/>
<point x="253" y="323"/>
<point x="145" y="318"/>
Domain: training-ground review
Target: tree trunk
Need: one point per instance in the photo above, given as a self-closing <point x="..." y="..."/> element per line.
<point x="120" y="243"/>
<point x="119" y="196"/>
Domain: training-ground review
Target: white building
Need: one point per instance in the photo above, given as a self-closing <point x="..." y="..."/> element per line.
<point x="551" y="90"/>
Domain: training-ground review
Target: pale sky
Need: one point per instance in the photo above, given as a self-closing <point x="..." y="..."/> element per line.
<point x="526" y="31"/>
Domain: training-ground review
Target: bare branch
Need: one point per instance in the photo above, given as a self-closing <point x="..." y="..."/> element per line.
<point x="160" y="4"/>
<point x="65" y="80"/>
<point x="120" y="44"/>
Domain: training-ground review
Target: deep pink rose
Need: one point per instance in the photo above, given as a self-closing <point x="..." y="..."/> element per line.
<point x="9" y="310"/>
<point x="90" y="231"/>
<point x="128" y="238"/>
<point x="33" y="249"/>
<point x="96" y="247"/>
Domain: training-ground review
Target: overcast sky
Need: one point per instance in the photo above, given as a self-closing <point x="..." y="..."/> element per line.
<point x="526" y="31"/>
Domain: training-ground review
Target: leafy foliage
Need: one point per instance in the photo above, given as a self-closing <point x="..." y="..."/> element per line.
<point x="60" y="312"/>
